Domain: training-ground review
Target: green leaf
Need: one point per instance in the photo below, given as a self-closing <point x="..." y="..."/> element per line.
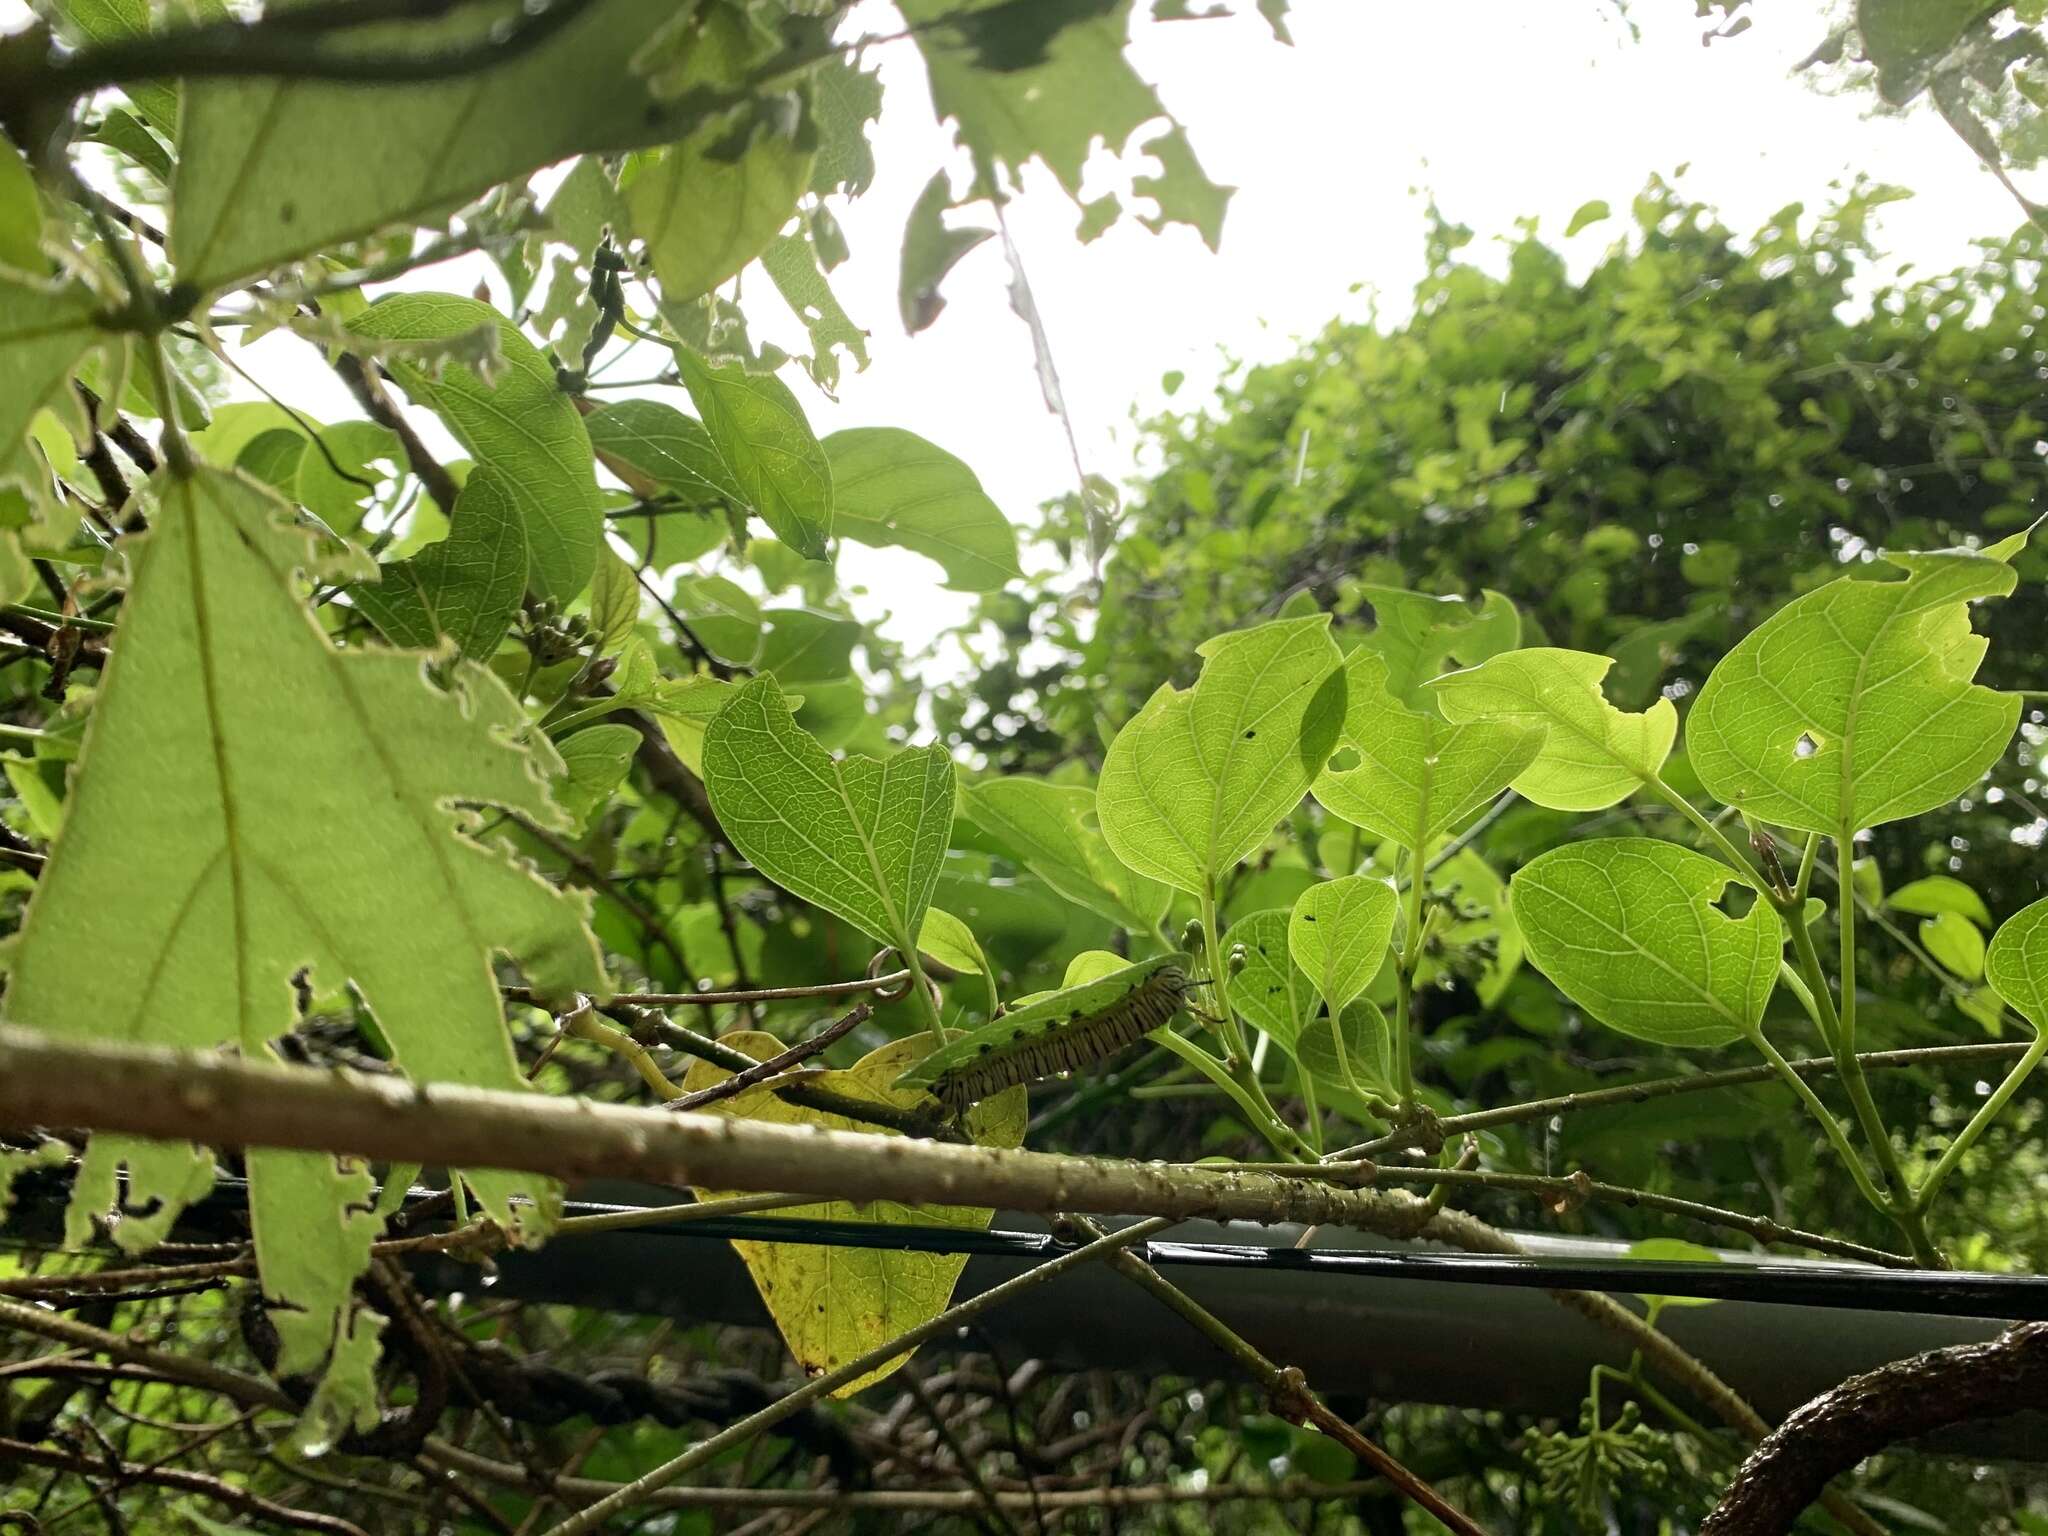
<point x="1419" y="635"/>
<point x="614" y="601"/>
<point x="775" y="462"/>
<point x="1854" y="705"/>
<point x="274" y="169"/>
<point x="1199" y="777"/>
<point x="806" y="647"/>
<point x="930" y="252"/>
<point x="1628" y="929"/>
<point x="467" y="587"/>
<point x="671" y="449"/>
<point x="1588" y="213"/>
<point x="1933" y="895"/>
<point x="1354" y="1054"/>
<point x="595" y="761"/>
<point x="834" y="1304"/>
<point x="892" y="487"/>
<point x="46" y="330"/>
<point x="1908" y="39"/>
<point x="1272" y="992"/>
<point x="253" y="802"/>
<point x="1053" y="831"/>
<point x="521" y="425"/>
<point x="21" y="214"/>
<point x="684" y="709"/>
<point x="723" y="615"/>
<point x="2016" y="965"/>
<point x="703" y="217"/>
<point x="1415" y="775"/>
<point x="1672" y="1250"/>
<point x="1081" y="90"/>
<point x="844" y="100"/>
<point x="1184" y="194"/>
<point x="1593" y="754"/>
<point x="792" y="265"/>
<point x="1956" y="942"/>
<point x="1338" y="934"/>
<point x="860" y="838"/>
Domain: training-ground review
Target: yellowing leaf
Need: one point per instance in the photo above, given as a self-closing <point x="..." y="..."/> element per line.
<point x="253" y="803"/>
<point x="834" y="1304"/>
<point x="1593" y="754"/>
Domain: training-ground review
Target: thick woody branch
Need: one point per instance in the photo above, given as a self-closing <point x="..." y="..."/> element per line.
<point x="1831" y="1434"/>
<point x="189" y="1096"/>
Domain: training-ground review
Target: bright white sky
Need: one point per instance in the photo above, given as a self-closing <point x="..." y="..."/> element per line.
<point x="1498" y="109"/>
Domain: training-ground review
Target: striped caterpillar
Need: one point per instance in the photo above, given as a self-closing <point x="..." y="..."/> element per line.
<point x="1061" y="1032"/>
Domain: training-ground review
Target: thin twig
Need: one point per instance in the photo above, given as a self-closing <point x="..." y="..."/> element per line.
<point x="774" y="1066"/>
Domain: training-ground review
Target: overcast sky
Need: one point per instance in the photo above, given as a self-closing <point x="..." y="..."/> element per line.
<point x="1498" y="109"/>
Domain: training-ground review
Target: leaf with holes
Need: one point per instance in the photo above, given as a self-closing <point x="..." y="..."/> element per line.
<point x="1199" y="778"/>
<point x="1053" y="831"/>
<point x="833" y="1304"/>
<point x="1853" y="705"/>
<point x="1419" y="636"/>
<point x="2016" y="965"/>
<point x="1338" y="934"/>
<point x="253" y="803"/>
<point x="1409" y="774"/>
<point x="892" y="487"/>
<point x="1628" y="929"/>
<point x="860" y="838"/>
<point x="520" y="425"/>
<point x="1593" y="755"/>
<point x="1272" y="991"/>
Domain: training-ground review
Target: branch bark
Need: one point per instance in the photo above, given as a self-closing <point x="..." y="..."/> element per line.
<point x="189" y="1096"/>
<point x="1866" y="1413"/>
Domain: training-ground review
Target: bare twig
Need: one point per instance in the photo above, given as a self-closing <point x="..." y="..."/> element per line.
<point x="774" y="1066"/>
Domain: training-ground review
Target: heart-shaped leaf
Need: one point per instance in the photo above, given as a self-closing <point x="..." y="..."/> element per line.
<point x="1338" y="935"/>
<point x="860" y="838"/>
<point x="1199" y="777"/>
<point x="1628" y="929"/>
<point x="1854" y="705"/>
<point x="2016" y="965"/>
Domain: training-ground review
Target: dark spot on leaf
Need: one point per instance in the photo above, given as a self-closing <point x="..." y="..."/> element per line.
<point x="1249" y="734"/>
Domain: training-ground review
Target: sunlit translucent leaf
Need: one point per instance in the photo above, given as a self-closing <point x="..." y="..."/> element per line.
<point x="1672" y="1250"/>
<point x="834" y="1304"/>
<point x="860" y="838"/>
<point x="844" y="100"/>
<point x="892" y="487"/>
<point x="1272" y="992"/>
<point x="595" y="761"/>
<point x="671" y="449"/>
<point x="1422" y="636"/>
<point x="704" y="217"/>
<point x="1854" y="705"/>
<point x="253" y="802"/>
<point x="467" y="586"/>
<point x="930" y="251"/>
<point x="1410" y="775"/>
<point x="1908" y="39"/>
<point x="1592" y="754"/>
<point x="111" y="21"/>
<point x="520" y="425"/>
<point x="767" y="447"/>
<point x="2017" y="963"/>
<point x="802" y="646"/>
<point x="1055" y="110"/>
<point x="1338" y="935"/>
<point x="1052" y="830"/>
<point x="1956" y="942"/>
<point x="1627" y="928"/>
<point x="1354" y="1053"/>
<point x="684" y="709"/>
<point x="273" y="169"/>
<point x="792" y="265"/>
<point x="1199" y="777"/>
<point x="1933" y="895"/>
<point x="723" y="615"/>
<point x="614" y="601"/>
